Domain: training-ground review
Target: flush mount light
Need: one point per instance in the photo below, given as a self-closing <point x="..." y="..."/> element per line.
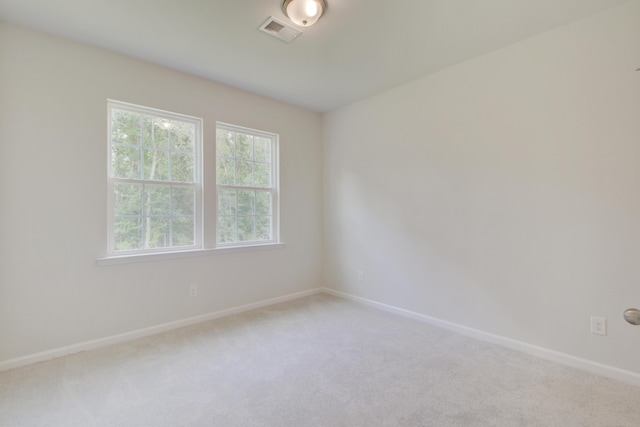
<point x="304" y="13"/>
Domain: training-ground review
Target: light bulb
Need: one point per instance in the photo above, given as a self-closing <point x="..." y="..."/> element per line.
<point x="311" y="8"/>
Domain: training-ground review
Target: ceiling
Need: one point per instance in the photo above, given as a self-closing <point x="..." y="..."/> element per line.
<point x="359" y="48"/>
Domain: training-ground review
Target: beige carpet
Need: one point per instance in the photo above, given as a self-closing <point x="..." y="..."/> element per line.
<point x="317" y="361"/>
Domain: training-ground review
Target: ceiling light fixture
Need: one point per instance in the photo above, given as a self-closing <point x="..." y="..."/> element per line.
<point x="304" y="13"/>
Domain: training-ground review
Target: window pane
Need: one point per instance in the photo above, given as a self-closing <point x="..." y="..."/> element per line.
<point x="246" y="202"/>
<point x="156" y="200"/>
<point x="184" y="200"/>
<point x="156" y="165"/>
<point x="182" y="167"/>
<point x="262" y="150"/>
<point x="125" y="161"/>
<point x="226" y="229"/>
<point x="225" y="171"/>
<point x="245" y="185"/>
<point x="263" y="228"/>
<point x="245" y="228"/>
<point x="128" y="199"/>
<point x="127" y="234"/>
<point x="125" y="127"/>
<point x="263" y="203"/>
<point x="262" y="174"/>
<point x="243" y="173"/>
<point x="182" y="136"/>
<point x="227" y="202"/>
<point x="183" y="231"/>
<point x="157" y="232"/>
<point x="225" y="144"/>
<point x="156" y="132"/>
<point x="244" y="146"/>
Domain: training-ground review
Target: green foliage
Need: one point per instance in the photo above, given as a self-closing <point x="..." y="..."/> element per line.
<point x="244" y="215"/>
<point x="243" y="160"/>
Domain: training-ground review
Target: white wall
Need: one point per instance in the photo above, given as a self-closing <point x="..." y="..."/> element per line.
<point x="53" y="147"/>
<point x="502" y="194"/>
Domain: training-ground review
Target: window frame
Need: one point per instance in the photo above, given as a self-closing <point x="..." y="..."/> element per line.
<point x="198" y="183"/>
<point x="274" y="189"/>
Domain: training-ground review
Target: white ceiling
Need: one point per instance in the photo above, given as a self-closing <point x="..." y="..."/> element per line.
<point x="359" y="48"/>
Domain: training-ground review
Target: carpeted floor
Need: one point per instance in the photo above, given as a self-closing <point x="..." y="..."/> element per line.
<point x="317" y="361"/>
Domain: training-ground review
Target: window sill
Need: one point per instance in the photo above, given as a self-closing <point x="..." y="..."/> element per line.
<point x="161" y="256"/>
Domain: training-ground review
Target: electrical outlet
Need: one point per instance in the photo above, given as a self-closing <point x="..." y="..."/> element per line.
<point x="193" y="290"/>
<point x="360" y="276"/>
<point x="598" y="325"/>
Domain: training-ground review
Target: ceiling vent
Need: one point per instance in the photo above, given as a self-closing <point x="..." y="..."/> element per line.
<point x="279" y="30"/>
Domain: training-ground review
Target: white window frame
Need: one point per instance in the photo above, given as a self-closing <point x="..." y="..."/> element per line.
<point x="198" y="180"/>
<point x="275" y="187"/>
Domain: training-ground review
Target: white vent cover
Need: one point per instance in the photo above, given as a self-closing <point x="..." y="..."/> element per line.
<point x="280" y="30"/>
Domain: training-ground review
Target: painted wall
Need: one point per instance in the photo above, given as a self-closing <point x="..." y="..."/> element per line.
<point x="53" y="166"/>
<point x="502" y="194"/>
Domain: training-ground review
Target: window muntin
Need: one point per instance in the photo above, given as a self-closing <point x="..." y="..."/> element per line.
<point x="246" y="186"/>
<point x="155" y="188"/>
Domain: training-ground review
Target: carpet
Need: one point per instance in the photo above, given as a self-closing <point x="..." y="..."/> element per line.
<point x="316" y="361"/>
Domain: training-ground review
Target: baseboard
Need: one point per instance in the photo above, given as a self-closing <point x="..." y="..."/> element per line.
<point x="544" y="353"/>
<point x="145" y="332"/>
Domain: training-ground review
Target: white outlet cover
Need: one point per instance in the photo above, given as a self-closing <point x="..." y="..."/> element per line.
<point x="598" y="325"/>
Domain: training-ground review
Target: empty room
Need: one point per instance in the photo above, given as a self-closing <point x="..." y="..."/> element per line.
<point x="319" y="213"/>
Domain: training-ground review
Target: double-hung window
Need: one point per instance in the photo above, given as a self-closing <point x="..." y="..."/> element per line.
<point x="246" y="186"/>
<point x="155" y="180"/>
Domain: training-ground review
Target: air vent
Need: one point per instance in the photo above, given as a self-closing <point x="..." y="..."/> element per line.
<point x="274" y="27"/>
<point x="279" y="30"/>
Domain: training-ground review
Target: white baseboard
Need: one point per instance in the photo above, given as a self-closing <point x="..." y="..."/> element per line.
<point x="145" y="332"/>
<point x="544" y="353"/>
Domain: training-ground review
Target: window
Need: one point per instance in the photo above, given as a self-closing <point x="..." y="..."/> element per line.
<point x="155" y="186"/>
<point x="246" y="186"/>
